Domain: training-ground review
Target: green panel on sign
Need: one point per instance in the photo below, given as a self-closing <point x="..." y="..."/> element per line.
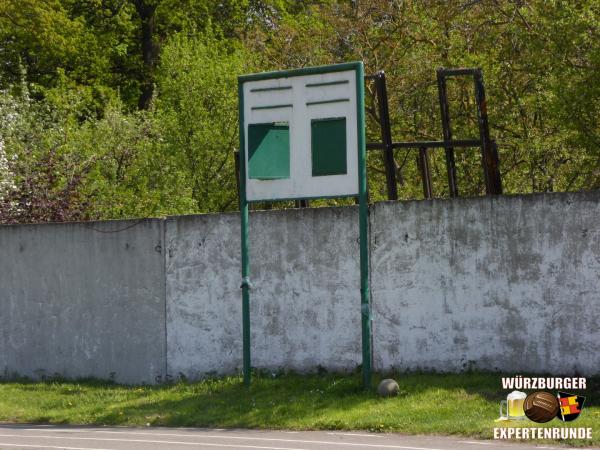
<point x="328" y="143"/>
<point x="268" y="151"/>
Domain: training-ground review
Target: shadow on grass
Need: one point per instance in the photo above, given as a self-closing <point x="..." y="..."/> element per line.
<point x="329" y="401"/>
<point x="275" y="402"/>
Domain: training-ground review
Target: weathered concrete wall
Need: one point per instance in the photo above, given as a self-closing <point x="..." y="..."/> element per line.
<point x="82" y="299"/>
<point x="305" y="297"/>
<point x="507" y="283"/>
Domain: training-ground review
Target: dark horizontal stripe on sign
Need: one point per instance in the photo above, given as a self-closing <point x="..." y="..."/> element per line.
<point x="272" y="106"/>
<point x="273" y="88"/>
<point x="322" y="102"/>
<point x="327" y="83"/>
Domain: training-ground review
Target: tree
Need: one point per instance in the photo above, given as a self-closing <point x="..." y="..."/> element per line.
<point x="197" y="104"/>
<point x="86" y="41"/>
<point x="43" y="176"/>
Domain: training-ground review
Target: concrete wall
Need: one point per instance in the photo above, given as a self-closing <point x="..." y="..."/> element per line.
<point x="507" y="283"/>
<point x="83" y="299"/>
<point x="304" y="303"/>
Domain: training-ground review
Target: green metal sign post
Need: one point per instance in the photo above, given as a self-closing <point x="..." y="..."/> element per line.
<point x="244" y="207"/>
<point x="293" y="115"/>
<point x="363" y="235"/>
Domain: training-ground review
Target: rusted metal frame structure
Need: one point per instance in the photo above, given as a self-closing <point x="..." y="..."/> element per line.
<point x="386" y="134"/>
<point x="447" y="133"/>
<point x="488" y="147"/>
<point x="425" y="169"/>
<point x="489" y="153"/>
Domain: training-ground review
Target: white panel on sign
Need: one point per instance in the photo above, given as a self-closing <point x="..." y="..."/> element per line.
<point x="298" y="100"/>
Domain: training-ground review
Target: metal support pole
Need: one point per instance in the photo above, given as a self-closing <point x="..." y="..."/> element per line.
<point x="489" y="158"/>
<point x="423" y="162"/>
<point x="386" y="136"/>
<point x="245" y="295"/>
<point x="364" y="238"/>
<point x="245" y="250"/>
<point x="447" y="132"/>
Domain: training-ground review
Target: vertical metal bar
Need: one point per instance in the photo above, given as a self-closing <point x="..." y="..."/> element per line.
<point x="245" y="295"/>
<point x="301" y="203"/>
<point x="498" y="176"/>
<point x="363" y="232"/>
<point x="245" y="248"/>
<point x="447" y="133"/>
<point x="236" y="159"/>
<point x="423" y="161"/>
<point x="386" y="136"/>
<point x="489" y="158"/>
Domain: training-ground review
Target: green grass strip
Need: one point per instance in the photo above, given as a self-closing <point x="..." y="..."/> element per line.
<point x="447" y="404"/>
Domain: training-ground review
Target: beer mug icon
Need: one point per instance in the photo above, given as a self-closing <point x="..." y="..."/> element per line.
<point x="513" y="406"/>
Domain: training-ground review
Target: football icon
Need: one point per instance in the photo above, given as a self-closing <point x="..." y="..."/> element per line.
<point x="541" y="406"/>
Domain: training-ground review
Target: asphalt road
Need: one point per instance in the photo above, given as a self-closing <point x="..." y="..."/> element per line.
<point x="45" y="437"/>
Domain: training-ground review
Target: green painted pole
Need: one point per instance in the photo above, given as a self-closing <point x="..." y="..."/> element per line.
<point x="364" y="233"/>
<point x="245" y="250"/>
<point x="245" y="295"/>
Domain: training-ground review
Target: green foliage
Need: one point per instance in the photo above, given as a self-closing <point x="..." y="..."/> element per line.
<point x="7" y="183"/>
<point x="87" y="64"/>
<point x="87" y="41"/>
<point x="197" y="106"/>
<point x="44" y="171"/>
<point x="62" y="167"/>
<point x="129" y="181"/>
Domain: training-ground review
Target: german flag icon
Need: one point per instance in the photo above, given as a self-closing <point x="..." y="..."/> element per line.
<point x="570" y="406"/>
